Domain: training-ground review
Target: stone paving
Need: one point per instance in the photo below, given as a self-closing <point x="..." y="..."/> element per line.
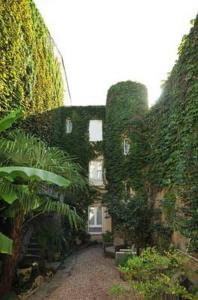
<point x="90" y="278"/>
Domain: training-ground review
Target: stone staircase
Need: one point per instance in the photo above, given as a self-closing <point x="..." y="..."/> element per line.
<point x="32" y="252"/>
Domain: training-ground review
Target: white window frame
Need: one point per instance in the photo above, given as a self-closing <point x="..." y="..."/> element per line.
<point x="68" y="126"/>
<point x="94" y="181"/>
<point x="95" y="225"/>
<point x="126" y="142"/>
<point x="95" y="136"/>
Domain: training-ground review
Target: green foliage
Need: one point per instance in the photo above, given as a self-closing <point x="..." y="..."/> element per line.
<point x="172" y="135"/>
<point x="133" y="219"/>
<point x="153" y="274"/>
<point x="51" y="240"/>
<point x="5" y="244"/>
<point x="122" y="258"/>
<point x="30" y="185"/>
<point x="5" y="123"/>
<point x="77" y="142"/>
<point x="107" y="237"/>
<point x="33" y="174"/>
<point x="168" y="204"/>
<point x="126" y="107"/>
<point x="26" y="150"/>
<point x="118" y="290"/>
<point x="164" y="221"/>
<point x="161" y="235"/>
<point x="30" y="75"/>
<point x="79" y="147"/>
<point x="26" y="188"/>
<point x="8" y="120"/>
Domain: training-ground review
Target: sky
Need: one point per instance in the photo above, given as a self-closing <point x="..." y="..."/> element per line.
<point x="107" y="41"/>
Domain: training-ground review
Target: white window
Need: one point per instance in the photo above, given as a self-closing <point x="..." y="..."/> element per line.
<point x="96" y="172"/>
<point x="126" y="146"/>
<point x="68" y="126"/>
<point x="95" y="220"/>
<point x="95" y="130"/>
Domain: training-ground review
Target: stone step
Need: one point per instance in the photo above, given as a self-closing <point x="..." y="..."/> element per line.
<point x="33" y="250"/>
<point x="34" y="244"/>
<point x="32" y="257"/>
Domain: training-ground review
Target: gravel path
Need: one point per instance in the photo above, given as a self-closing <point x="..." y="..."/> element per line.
<point x="90" y="278"/>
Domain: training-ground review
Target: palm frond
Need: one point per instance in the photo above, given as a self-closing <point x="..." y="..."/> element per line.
<point x="29" y="153"/>
<point x="62" y="209"/>
<point x="26" y="202"/>
<point x="23" y="149"/>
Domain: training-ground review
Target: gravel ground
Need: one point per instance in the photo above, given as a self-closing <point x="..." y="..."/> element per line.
<point x="90" y="278"/>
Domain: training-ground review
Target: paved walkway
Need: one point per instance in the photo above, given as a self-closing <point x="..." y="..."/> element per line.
<point x="90" y="278"/>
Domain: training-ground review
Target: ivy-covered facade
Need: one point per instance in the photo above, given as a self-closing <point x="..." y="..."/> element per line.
<point x="81" y="135"/>
<point x="125" y="146"/>
<point x="30" y="67"/>
<point x="149" y="158"/>
<point x="121" y="140"/>
<point x="172" y="135"/>
<point x="76" y="142"/>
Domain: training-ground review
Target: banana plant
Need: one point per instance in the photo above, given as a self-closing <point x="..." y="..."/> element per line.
<point x="26" y="173"/>
<point x="33" y="177"/>
<point x="16" y="150"/>
<point x="5" y="123"/>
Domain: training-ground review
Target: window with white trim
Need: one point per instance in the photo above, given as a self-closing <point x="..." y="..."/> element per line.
<point x="95" y="130"/>
<point x="96" y="172"/>
<point x="126" y="146"/>
<point x="95" y="220"/>
<point x="68" y="126"/>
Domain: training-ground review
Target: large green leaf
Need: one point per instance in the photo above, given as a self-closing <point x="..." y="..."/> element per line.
<point x="9" y="197"/>
<point x="33" y="173"/>
<point x="7" y="121"/>
<point x="5" y="244"/>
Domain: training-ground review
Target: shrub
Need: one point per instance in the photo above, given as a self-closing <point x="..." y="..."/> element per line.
<point x="154" y="274"/>
<point x="107" y="237"/>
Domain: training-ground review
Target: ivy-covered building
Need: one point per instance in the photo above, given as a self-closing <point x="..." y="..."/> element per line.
<point x="124" y="149"/>
<point x="82" y="136"/>
<point x="101" y="139"/>
<point x="32" y="73"/>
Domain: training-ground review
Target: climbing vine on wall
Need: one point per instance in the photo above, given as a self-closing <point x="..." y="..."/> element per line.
<point x="125" y="111"/>
<point x="77" y="142"/>
<point x="126" y="106"/>
<point x="173" y="135"/>
<point x="30" y="74"/>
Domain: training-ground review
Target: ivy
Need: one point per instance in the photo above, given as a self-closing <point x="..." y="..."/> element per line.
<point x="126" y="198"/>
<point x="30" y="75"/>
<point x="126" y="106"/>
<point x="172" y="135"/>
<point x="168" y="209"/>
<point x="77" y="142"/>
